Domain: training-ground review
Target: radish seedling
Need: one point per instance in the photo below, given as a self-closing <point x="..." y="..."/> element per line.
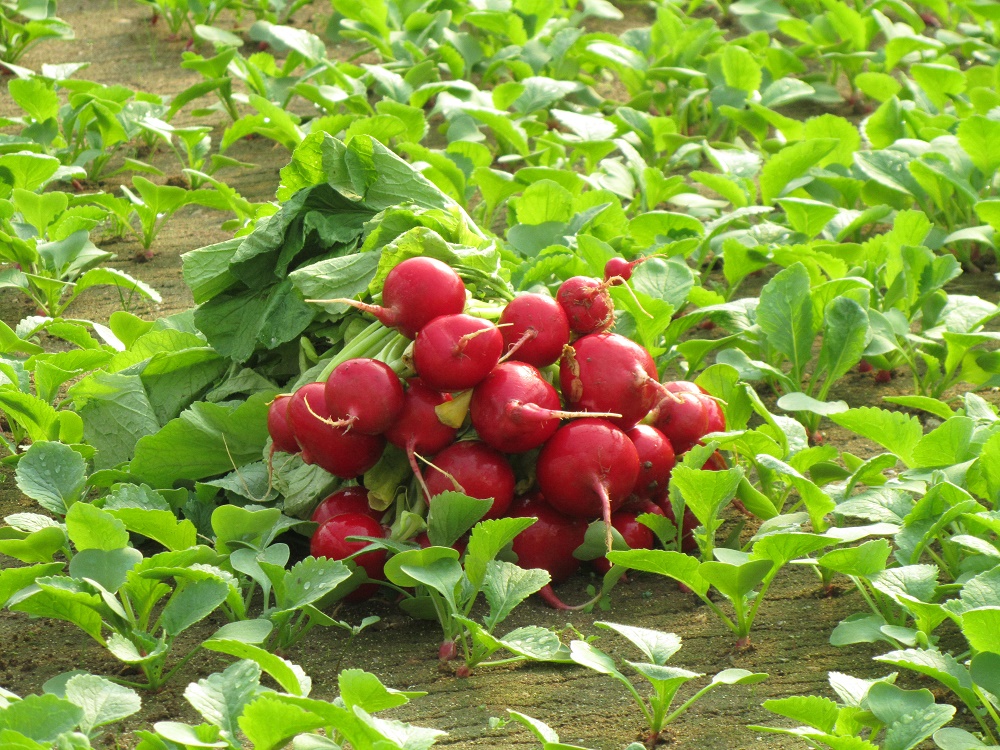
<point x="658" y="648"/>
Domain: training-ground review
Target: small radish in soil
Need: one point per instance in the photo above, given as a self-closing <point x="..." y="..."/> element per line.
<point x="414" y="293"/>
<point x="352" y="499"/>
<point x="475" y="469"/>
<point x="883" y="376"/>
<point x="515" y="409"/>
<point x="330" y="541"/>
<point x="607" y="372"/>
<point x="635" y="534"/>
<point x="588" y="306"/>
<point x="343" y="454"/>
<point x="364" y="395"/>
<point x="656" y="460"/>
<point x="535" y="329"/>
<point x="549" y="542"/>
<point x="278" y="427"/>
<point x="455" y="352"/>
<point x="618" y="270"/>
<point x="588" y="469"/>
<point x="865" y="366"/>
<point x="417" y="428"/>
<point x="715" y="462"/>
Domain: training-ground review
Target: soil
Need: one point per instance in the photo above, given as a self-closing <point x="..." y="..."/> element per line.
<point x="790" y="636"/>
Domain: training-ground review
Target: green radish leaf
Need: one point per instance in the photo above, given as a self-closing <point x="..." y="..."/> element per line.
<point x="488" y="539"/>
<point x="35" y="547"/>
<point x="416" y="558"/>
<point x="791" y="163"/>
<point x="307" y="581"/>
<point x="979" y="626"/>
<point x="845" y="335"/>
<point x="506" y="585"/>
<point x="782" y="548"/>
<point x="271" y="723"/>
<point x="159" y="525"/>
<point x="593" y="658"/>
<point x="221" y="697"/>
<point x="985" y="672"/>
<point x="785" y="315"/>
<point x="676" y="565"/>
<point x="980" y="137"/>
<point x="13" y="580"/>
<point x="811" y="710"/>
<point x="801" y="402"/>
<point x="735" y="582"/>
<point x="656" y="645"/>
<point x="910" y="730"/>
<point x="864" y="560"/>
<point x="89" y="527"/>
<point x="42" y="718"/>
<point x="738" y="677"/>
<point x="452" y="514"/>
<point x="109" y="568"/>
<point x="942" y="667"/>
<point x="706" y="492"/>
<point x="52" y="474"/>
<point x="290" y="676"/>
<point x="365" y="690"/>
<point x="894" y="431"/>
<point x="444" y="575"/>
<point x="102" y="701"/>
<point x="192" y="603"/>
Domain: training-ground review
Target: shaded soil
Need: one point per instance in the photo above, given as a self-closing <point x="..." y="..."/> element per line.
<point x="790" y="636"/>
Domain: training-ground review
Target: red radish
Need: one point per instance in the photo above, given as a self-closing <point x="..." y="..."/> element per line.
<point x="477" y="470"/>
<point x="656" y="460"/>
<point x="883" y="376"/>
<point x="455" y="352"/>
<point x="330" y="541"/>
<point x="535" y="329"/>
<point x="588" y="306"/>
<point x="417" y="428"/>
<point x="683" y="386"/>
<point x="278" y="427"/>
<point x="865" y="366"/>
<point x="364" y="395"/>
<point x="715" y="462"/>
<point x="607" y="372"/>
<point x="414" y="293"/>
<point x="352" y="499"/>
<point x="549" y="542"/>
<point x="635" y="534"/>
<point x="343" y="454"/>
<point x="588" y="469"/>
<point x="640" y="505"/>
<point x="683" y="418"/>
<point x="515" y="409"/>
<point x="618" y="270"/>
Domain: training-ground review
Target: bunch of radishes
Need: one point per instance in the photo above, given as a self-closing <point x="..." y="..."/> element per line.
<point x="603" y="450"/>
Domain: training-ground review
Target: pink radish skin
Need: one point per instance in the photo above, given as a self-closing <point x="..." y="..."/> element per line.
<point x="415" y="292"/>
<point x="418" y="429"/>
<point x="656" y="460"/>
<point x="535" y="329"/>
<point x="588" y="469"/>
<point x="478" y="471"/>
<point x="549" y="542"/>
<point x="278" y="427"/>
<point x="344" y="454"/>
<point x="455" y="352"/>
<point x="345" y="500"/>
<point x="365" y="395"/>
<point x="606" y="372"/>
<point x="515" y="409"/>
<point x="587" y="304"/>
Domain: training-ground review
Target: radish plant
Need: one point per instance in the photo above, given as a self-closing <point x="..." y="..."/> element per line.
<point x="658" y="648"/>
<point x="447" y="589"/>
